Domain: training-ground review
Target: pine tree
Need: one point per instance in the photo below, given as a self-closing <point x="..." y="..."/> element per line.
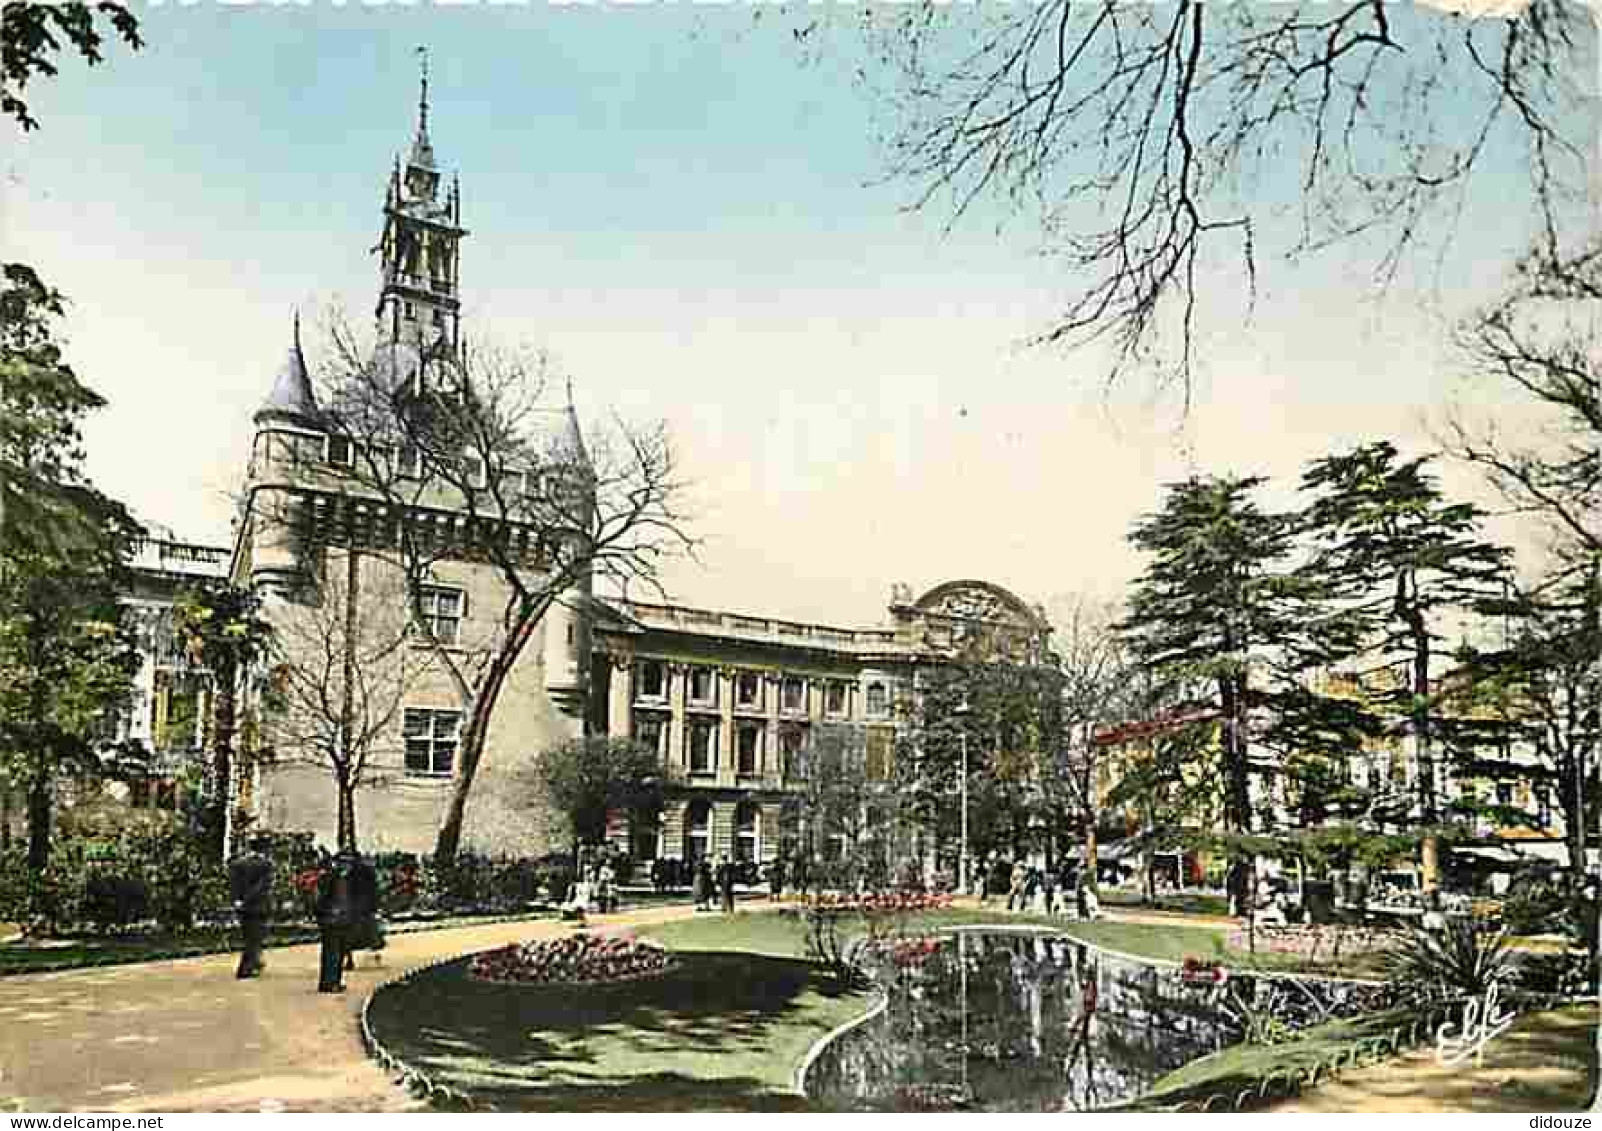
<point x="1209" y="601"/>
<point x="1410" y="565"/>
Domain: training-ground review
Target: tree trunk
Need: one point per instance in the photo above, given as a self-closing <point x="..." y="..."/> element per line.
<point x="1423" y="755"/>
<point x="471" y="752"/>
<point x="222" y="767"/>
<point x="345" y="771"/>
<point x="40" y="806"/>
<point x="347" y="814"/>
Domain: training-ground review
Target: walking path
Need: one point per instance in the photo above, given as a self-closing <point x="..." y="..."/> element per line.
<point x="1540" y="1064"/>
<point x="187" y="1036"/>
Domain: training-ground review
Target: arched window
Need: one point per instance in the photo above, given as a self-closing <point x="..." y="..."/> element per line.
<point x="747" y="831"/>
<point x="697" y="830"/>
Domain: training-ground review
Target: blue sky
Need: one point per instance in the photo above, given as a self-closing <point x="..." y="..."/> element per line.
<point x="687" y="216"/>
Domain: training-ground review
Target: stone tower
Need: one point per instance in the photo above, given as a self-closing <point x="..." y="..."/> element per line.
<point x="568" y="624"/>
<point x="420" y="249"/>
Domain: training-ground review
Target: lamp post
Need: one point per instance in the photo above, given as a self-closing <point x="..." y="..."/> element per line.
<point x="962" y="712"/>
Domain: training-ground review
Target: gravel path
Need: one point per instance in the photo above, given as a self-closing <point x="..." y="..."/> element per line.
<point x="187" y="1036"/>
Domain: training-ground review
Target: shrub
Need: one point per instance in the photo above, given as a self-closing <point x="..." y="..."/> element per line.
<point x="115" y="900"/>
<point x="1537" y="907"/>
<point x="1465" y="958"/>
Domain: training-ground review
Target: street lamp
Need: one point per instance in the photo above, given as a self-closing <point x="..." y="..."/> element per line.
<point x="962" y="712"/>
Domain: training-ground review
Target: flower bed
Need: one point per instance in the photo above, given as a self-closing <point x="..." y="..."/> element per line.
<point x="584" y="958"/>
<point x="876" y="904"/>
<point x="1202" y="972"/>
<point x="1315" y="943"/>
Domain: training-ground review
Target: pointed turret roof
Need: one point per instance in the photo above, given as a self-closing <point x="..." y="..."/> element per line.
<point x="292" y="394"/>
<point x="572" y="438"/>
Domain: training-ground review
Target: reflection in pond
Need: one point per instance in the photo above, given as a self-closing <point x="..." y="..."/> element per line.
<point x="1003" y="1021"/>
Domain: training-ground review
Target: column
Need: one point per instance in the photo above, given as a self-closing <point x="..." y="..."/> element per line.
<point x="620" y="711"/>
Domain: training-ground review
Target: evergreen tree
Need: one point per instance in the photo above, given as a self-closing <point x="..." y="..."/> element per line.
<point x="66" y="656"/>
<point x="1408" y="566"/>
<point x="1211" y="601"/>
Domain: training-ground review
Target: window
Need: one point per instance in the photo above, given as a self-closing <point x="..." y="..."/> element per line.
<point x="408" y="465"/>
<point x="791" y="741"/>
<point x="338" y="451"/>
<point x="703" y="686"/>
<point x="834" y="699"/>
<point x="697" y="830"/>
<point x="878" y="701"/>
<point x="653" y="680"/>
<point x="878" y="754"/>
<point x="1504" y="793"/>
<point x="703" y="740"/>
<point x="650" y="730"/>
<point x="442" y="612"/>
<point x="794" y="696"/>
<point x="431" y="741"/>
<point x="748" y="750"/>
<point x="410" y="312"/>
<point x="748" y="689"/>
<point x="747" y="832"/>
<point x="1543" y="805"/>
<point x="476" y="475"/>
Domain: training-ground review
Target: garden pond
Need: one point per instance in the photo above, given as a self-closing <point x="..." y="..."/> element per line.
<point x="1009" y="1021"/>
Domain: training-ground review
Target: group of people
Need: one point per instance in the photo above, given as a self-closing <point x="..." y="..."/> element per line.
<point x="346" y="910"/>
<point x="709" y="884"/>
<point x="1030" y="887"/>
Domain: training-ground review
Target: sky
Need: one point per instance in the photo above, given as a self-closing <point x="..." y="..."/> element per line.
<point x="693" y="218"/>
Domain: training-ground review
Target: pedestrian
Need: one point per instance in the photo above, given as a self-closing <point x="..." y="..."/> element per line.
<point x="366" y="932"/>
<point x="703" y="884"/>
<point x="776" y="878"/>
<point x="726" y="884"/>
<point x="250" y="880"/>
<point x="606" y="888"/>
<point x="335" y="910"/>
<point x="1048" y="889"/>
<point x="1015" y="893"/>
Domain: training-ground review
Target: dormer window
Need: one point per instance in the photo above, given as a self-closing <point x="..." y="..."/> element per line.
<point x="339" y="451"/>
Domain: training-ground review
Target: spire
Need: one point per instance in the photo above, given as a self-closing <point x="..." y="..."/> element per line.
<point x="572" y="441"/>
<point x="422" y="148"/>
<point x="292" y="392"/>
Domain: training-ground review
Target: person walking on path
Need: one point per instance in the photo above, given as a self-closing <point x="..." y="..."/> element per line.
<point x="1015" y="896"/>
<point x="703" y="885"/>
<point x="776" y="879"/>
<point x="335" y="912"/>
<point x="250" y="880"/>
<point x="366" y="931"/>
<point x="726" y="884"/>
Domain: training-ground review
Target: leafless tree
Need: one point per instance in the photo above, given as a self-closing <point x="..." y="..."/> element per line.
<point x="1158" y="144"/>
<point x="466" y="461"/>
<point x="1097" y="673"/>
<point x="346" y="661"/>
<point x="1539" y="342"/>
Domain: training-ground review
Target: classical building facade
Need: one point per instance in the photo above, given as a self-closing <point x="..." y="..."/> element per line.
<point x="731" y="701"/>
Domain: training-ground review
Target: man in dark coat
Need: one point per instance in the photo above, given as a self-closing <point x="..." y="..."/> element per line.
<point x="335" y="912"/>
<point x="726" y="884"/>
<point x="250" y="882"/>
<point x="365" y="934"/>
<point x="776" y="878"/>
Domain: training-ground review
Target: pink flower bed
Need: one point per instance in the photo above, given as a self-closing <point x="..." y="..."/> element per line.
<point x="583" y="958"/>
<point x="879" y="903"/>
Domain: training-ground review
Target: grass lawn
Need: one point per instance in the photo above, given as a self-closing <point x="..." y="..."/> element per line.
<point x="725" y="1031"/>
<point x="1185" y="903"/>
